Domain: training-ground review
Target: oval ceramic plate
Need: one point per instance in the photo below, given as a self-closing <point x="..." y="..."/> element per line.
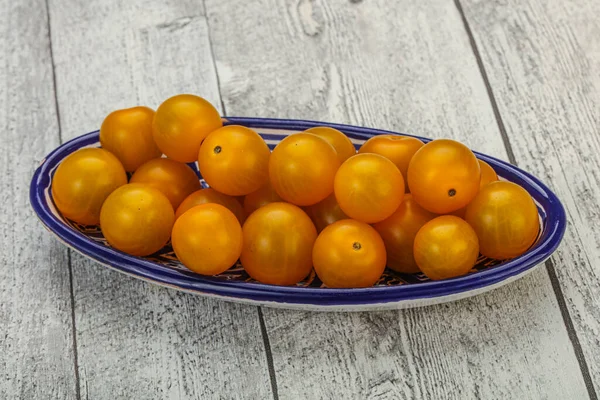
<point x="392" y="291"/>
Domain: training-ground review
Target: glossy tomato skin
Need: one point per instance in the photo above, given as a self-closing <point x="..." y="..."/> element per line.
<point x="211" y="196"/>
<point x="174" y="179"/>
<point x="137" y="219"/>
<point x="325" y="212"/>
<point x="349" y="254"/>
<point x="82" y="182"/>
<point x="398" y="232"/>
<point x="446" y="247"/>
<point x="398" y="149"/>
<point x="234" y="160"/>
<point x="207" y="239"/>
<point x="302" y="169"/>
<point x="127" y="134"/>
<point x="277" y="245"/>
<point x="260" y="198"/>
<point x="444" y="176"/>
<point x="505" y="218"/>
<point x="181" y="123"/>
<point x="340" y="142"/>
<point x="369" y="187"/>
<point x="488" y="174"/>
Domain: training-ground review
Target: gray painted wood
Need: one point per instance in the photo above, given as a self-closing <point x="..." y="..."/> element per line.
<point x="407" y="67"/>
<point x="136" y="340"/>
<point x="542" y="59"/>
<point x="36" y="349"/>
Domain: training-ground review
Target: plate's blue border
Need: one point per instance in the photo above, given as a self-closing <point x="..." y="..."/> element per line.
<point x="550" y="238"/>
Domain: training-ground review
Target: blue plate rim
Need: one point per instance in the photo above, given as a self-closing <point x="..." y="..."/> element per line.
<point x="549" y="240"/>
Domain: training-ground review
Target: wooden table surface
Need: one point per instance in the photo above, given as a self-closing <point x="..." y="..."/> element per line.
<point x="517" y="79"/>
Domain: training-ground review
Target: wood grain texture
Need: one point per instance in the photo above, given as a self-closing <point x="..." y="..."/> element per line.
<point x="542" y="59"/>
<point x="36" y="347"/>
<point x="406" y="67"/>
<point x="136" y="340"/>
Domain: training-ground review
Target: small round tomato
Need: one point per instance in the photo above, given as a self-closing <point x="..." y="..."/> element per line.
<point x="505" y="219"/>
<point x="302" y="169"/>
<point x="260" y="198"/>
<point x="446" y="247"/>
<point x="234" y="160"/>
<point x="211" y="196"/>
<point x="128" y="135"/>
<point x="488" y="174"/>
<point x="181" y="123"/>
<point x="444" y="176"/>
<point x="369" y="187"/>
<point x="398" y="233"/>
<point x="207" y="239"/>
<point x="137" y="219"/>
<point x="398" y="149"/>
<point x="340" y="142"/>
<point x="278" y="243"/>
<point x="349" y="254"/>
<point x="82" y="182"/>
<point x="174" y="179"/>
<point x="325" y="212"/>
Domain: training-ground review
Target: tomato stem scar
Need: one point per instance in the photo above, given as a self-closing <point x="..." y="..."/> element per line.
<point x="451" y="192"/>
<point x="356" y="246"/>
<point x="217" y="149"/>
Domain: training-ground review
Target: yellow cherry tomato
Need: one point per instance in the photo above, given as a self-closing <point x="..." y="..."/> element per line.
<point x="444" y="176"/>
<point x="488" y="174"/>
<point x="398" y="149"/>
<point x="207" y="239"/>
<point x="302" y="169"/>
<point x="340" y="142"/>
<point x="234" y="160"/>
<point x="349" y="254"/>
<point x="128" y="135"/>
<point x="180" y="125"/>
<point x="325" y="212"/>
<point x="446" y="247"/>
<point x="137" y="219"/>
<point x="82" y="182"/>
<point x="278" y="244"/>
<point x="175" y="180"/>
<point x="369" y="187"/>
<point x="398" y="232"/>
<point x="209" y="195"/>
<point x="505" y="219"/>
<point x="260" y="198"/>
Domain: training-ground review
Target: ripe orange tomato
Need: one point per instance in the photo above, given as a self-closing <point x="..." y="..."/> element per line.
<point x="82" y="182"/>
<point x="369" y="187"/>
<point x="207" y="239"/>
<point x="128" y="135"/>
<point x="398" y="233"/>
<point x="302" y="169"/>
<point x="260" y="198"/>
<point x="181" y="123"/>
<point x="234" y="160"/>
<point x="505" y="219"/>
<point x="444" y="176"/>
<point x="487" y="174"/>
<point x="340" y="142"/>
<point x="278" y="243"/>
<point x="398" y="149"/>
<point x="446" y="247"/>
<point x="211" y="196"/>
<point x="349" y="254"/>
<point x="137" y="219"/>
<point x="325" y="212"/>
<point x="175" y="180"/>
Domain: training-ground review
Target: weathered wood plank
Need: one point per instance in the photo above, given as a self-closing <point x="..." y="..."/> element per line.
<point x="543" y="58"/>
<point x="407" y="67"/>
<point x="36" y="341"/>
<point x="136" y="340"/>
